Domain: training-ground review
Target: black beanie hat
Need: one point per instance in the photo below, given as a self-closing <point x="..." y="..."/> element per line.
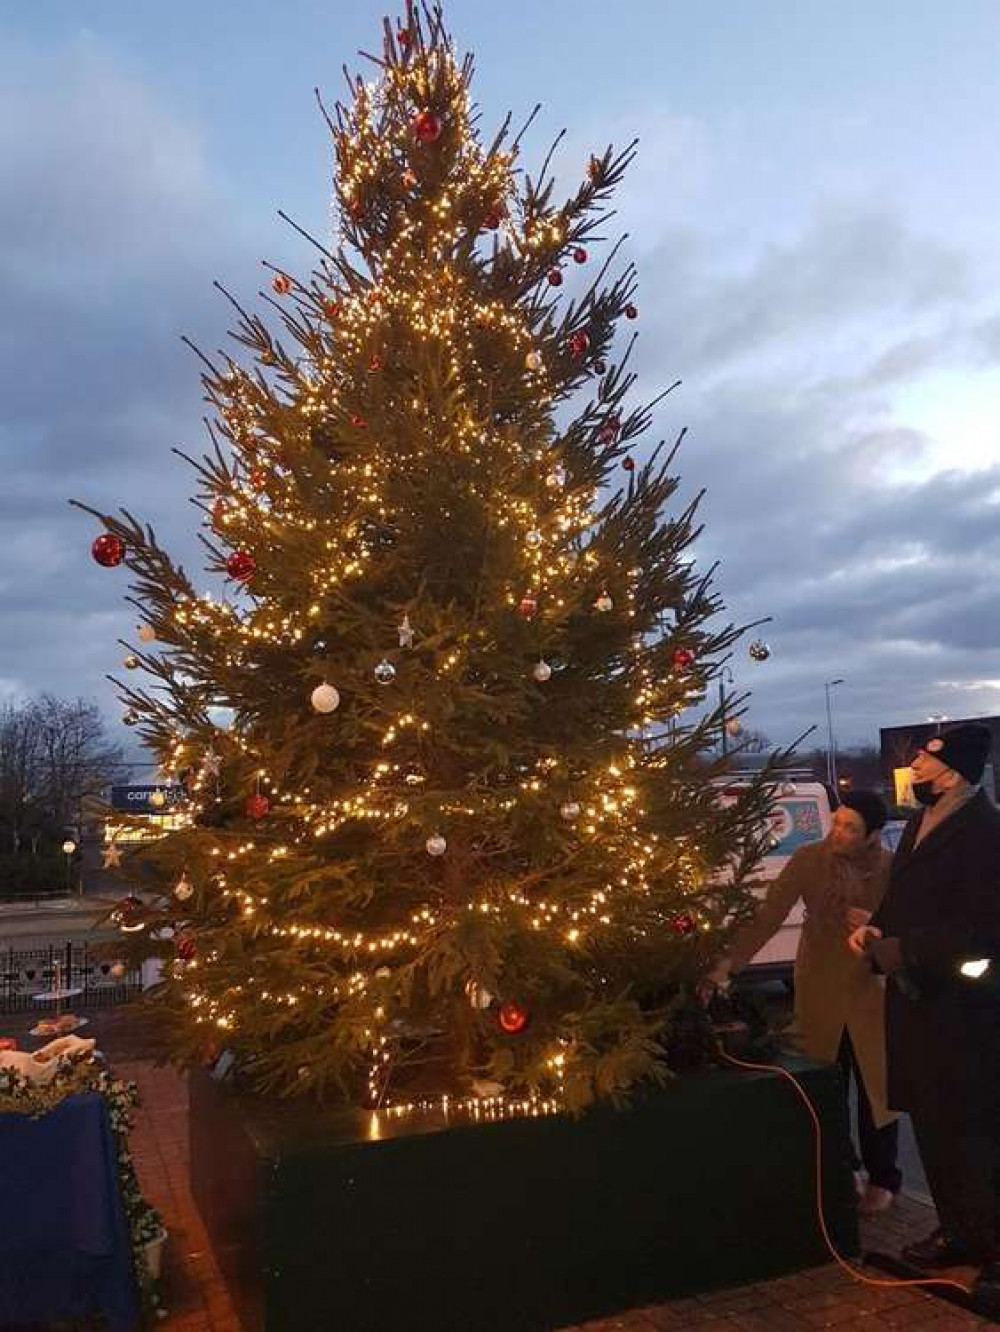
<point x="963" y="749"/>
<point x="870" y="806"/>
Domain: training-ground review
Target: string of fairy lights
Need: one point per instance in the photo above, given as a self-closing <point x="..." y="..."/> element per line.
<point x="424" y="294"/>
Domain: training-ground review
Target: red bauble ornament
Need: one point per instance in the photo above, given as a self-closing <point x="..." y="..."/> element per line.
<point x="258" y="477"/>
<point x="332" y="308"/>
<point x="186" y="947"/>
<point x="628" y="464"/>
<point x="404" y="38"/>
<point x="683" y="659"/>
<point x="257" y="806"/>
<point x="427" y="127"/>
<point x="358" y="422"/>
<point x="376" y="362"/>
<point x="127" y="914"/>
<point x="241" y="565"/>
<point x="555" y="277"/>
<point x="579" y="255"/>
<point x="408" y="179"/>
<point x="281" y="283"/>
<point x="512" y="1017"/>
<point x="684" y="923"/>
<point x="494" y="216"/>
<point x="579" y="344"/>
<point x="528" y="606"/>
<point x="108" y="550"/>
<point x="608" y="432"/>
<point x="631" y="312"/>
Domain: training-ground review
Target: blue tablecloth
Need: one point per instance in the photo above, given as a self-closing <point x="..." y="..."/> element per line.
<point x="65" y="1250"/>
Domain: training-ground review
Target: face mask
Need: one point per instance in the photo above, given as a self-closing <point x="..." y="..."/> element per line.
<point x="925" y="793"/>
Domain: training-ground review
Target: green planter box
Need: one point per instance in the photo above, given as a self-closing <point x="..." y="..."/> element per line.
<point x="525" y="1225"/>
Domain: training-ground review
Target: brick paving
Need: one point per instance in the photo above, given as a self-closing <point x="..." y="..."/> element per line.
<point x="197" y="1299"/>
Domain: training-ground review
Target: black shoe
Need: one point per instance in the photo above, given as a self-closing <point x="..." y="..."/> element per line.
<point x="986" y="1291"/>
<point x="937" y="1251"/>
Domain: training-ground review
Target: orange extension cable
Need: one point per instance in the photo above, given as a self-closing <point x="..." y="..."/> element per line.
<point x="851" y="1270"/>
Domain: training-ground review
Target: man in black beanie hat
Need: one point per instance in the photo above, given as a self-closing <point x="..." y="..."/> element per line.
<point x="937" y="938"/>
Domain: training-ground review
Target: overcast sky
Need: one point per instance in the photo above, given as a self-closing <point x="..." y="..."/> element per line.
<point x="815" y="219"/>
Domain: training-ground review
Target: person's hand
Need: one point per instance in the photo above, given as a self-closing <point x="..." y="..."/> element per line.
<point x="858" y="940"/>
<point x="857" y="916"/>
<point x="717" y="979"/>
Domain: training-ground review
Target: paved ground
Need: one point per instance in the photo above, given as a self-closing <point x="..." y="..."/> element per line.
<point x="198" y="1301"/>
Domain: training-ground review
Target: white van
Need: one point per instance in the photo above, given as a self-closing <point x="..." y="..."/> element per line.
<point x="801" y="815"/>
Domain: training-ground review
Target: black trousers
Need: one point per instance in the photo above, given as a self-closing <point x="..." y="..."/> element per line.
<point x="879" y="1146"/>
<point x="961" y="1156"/>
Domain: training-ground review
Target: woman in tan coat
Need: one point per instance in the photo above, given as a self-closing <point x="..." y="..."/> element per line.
<point x="839" y="1003"/>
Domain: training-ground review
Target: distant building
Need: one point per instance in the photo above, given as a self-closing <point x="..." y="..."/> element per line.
<point x="899" y="743"/>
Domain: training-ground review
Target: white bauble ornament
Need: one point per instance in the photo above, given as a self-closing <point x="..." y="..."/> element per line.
<point x="533" y="538"/>
<point x="183" y="888"/>
<point x="436" y="845"/>
<point x="325" y="698"/>
<point x="604" y="603"/>
<point x="533" y="360"/>
<point x="570" y="810"/>
<point x="734" y="727"/>
<point x="542" y="671"/>
<point x="478" y="995"/>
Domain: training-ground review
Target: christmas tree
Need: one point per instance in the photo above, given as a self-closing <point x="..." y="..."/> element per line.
<point x="451" y="817"/>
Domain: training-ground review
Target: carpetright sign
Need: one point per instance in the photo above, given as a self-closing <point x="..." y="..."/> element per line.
<point x="149" y="799"/>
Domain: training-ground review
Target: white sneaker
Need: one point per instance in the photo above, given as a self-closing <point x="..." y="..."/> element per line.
<point x="876" y="1200"/>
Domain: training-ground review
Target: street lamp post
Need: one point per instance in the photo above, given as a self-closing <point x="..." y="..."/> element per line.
<point x="723" y="722"/>
<point x="69" y="846"/>
<point x="831" y="749"/>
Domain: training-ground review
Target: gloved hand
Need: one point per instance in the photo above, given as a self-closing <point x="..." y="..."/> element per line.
<point x="887" y="954"/>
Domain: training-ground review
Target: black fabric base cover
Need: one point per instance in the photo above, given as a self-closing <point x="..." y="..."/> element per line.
<point x="525" y="1225"/>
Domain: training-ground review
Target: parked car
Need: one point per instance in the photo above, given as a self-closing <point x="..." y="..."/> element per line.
<point x="891" y="834"/>
<point x="800" y="816"/>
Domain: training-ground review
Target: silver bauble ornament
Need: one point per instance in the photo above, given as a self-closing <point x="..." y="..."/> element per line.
<point x="570" y="810"/>
<point x="436" y="845"/>
<point x="759" y="650"/>
<point x="533" y="360"/>
<point x="542" y="671"/>
<point x="385" y="672"/>
<point x="131" y="662"/>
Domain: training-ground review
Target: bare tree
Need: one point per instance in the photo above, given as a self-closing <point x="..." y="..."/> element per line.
<point x="53" y="753"/>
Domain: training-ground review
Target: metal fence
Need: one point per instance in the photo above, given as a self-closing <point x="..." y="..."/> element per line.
<point x="27" y="972"/>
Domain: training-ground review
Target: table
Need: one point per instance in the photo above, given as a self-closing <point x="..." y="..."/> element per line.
<point x="65" y="1248"/>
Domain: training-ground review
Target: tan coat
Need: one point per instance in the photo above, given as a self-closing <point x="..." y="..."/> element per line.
<point x="833" y="988"/>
